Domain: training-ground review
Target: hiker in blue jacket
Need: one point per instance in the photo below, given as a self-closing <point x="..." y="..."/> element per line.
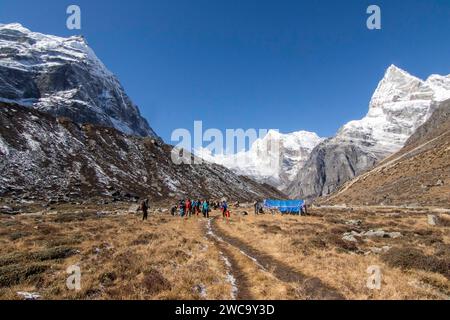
<point x="205" y="209"/>
<point x="224" y="208"/>
<point x="182" y="208"/>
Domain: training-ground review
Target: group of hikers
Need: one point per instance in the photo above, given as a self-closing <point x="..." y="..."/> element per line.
<point x="188" y="208"/>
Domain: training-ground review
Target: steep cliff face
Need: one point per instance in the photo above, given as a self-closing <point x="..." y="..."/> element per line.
<point x="47" y="157"/>
<point x="63" y="77"/>
<point x="400" y="105"/>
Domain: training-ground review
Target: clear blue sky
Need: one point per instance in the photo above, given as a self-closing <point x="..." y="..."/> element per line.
<point x="288" y="65"/>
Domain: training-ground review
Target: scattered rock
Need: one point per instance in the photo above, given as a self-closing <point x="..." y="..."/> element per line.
<point x="394" y="235"/>
<point x="200" y="289"/>
<point x="381" y="234"/>
<point x="349" y="237"/>
<point x="433" y="220"/>
<point x="29" y="295"/>
<point x="381" y="250"/>
<point x="375" y="234"/>
<point x="354" y="222"/>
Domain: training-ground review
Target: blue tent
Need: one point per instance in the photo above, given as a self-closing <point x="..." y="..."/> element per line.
<point x="285" y="206"/>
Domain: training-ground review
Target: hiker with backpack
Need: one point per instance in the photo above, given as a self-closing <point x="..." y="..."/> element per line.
<point x="224" y="208"/>
<point x="187" y="206"/>
<point x="193" y="207"/>
<point x="144" y="206"/>
<point x="173" y="210"/>
<point x="304" y="209"/>
<point x="205" y="209"/>
<point x="181" y="208"/>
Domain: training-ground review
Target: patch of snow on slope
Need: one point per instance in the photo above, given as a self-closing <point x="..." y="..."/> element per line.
<point x="4" y="150"/>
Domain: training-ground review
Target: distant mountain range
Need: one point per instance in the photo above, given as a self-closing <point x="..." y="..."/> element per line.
<point x="77" y="131"/>
<point x="311" y="167"/>
<point x="274" y="159"/>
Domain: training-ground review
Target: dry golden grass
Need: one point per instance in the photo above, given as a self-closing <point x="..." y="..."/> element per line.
<point x="166" y="257"/>
<point x="313" y="245"/>
<point x="120" y="257"/>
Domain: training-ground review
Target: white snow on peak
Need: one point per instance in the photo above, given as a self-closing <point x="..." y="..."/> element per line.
<point x="56" y="74"/>
<point x="275" y="158"/>
<point x="401" y="103"/>
<point x="440" y="85"/>
<point x="42" y="50"/>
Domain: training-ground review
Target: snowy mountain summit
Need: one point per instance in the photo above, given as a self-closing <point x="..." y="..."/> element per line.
<point x="64" y="77"/>
<point x="274" y="159"/>
<point x="400" y="105"/>
<point x="308" y="166"/>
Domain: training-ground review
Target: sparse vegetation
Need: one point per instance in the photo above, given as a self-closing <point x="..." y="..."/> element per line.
<point x="270" y="257"/>
<point x="411" y="258"/>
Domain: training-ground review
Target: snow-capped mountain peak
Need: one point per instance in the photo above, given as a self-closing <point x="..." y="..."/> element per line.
<point x="64" y="77"/>
<point x="399" y="85"/>
<point x="401" y="103"/>
<point x="274" y="158"/>
<point x="399" y="106"/>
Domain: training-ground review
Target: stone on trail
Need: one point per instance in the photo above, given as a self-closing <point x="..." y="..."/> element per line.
<point x="433" y="220"/>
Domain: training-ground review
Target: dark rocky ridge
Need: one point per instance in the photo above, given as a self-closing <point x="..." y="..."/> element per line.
<point x="47" y="157"/>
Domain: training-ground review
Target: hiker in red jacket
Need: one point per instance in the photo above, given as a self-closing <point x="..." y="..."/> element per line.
<point x="187" y="207"/>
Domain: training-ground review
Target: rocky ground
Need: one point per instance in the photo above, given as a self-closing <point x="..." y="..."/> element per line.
<point x="324" y="255"/>
<point x="56" y="159"/>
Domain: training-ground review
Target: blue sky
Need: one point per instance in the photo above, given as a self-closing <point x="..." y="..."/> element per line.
<point x="288" y="65"/>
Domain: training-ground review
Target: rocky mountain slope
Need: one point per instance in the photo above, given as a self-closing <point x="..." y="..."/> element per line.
<point x="400" y="105"/>
<point x="419" y="174"/>
<point x="63" y="77"/>
<point x="274" y="159"/>
<point x="47" y="157"/>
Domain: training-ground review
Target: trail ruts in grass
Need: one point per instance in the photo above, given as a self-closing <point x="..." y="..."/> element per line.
<point x="313" y="288"/>
<point x="242" y="284"/>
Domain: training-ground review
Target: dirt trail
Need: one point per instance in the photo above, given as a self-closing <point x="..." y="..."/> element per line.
<point x="312" y="288"/>
<point x="235" y="276"/>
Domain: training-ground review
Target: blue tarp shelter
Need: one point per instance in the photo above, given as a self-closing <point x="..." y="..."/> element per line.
<point x="285" y="206"/>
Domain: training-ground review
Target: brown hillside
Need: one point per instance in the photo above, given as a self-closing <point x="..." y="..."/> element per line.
<point x="417" y="175"/>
